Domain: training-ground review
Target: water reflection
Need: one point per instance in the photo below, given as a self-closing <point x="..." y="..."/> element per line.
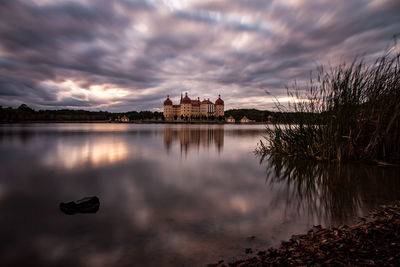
<point x="334" y="193"/>
<point x="96" y="152"/>
<point x="171" y="195"/>
<point x="158" y="209"/>
<point x="194" y="137"/>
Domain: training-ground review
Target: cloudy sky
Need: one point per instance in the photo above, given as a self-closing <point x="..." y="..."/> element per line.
<point x="129" y="54"/>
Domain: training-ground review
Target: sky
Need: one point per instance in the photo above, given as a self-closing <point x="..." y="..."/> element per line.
<point x="125" y="55"/>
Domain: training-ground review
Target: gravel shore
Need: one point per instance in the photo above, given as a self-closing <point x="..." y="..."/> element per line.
<point x="373" y="241"/>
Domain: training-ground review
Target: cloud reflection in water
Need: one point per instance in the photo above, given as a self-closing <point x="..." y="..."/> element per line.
<point x="159" y="206"/>
<point x="101" y="151"/>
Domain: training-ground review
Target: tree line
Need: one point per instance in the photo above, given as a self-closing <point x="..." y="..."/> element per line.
<point x="25" y="113"/>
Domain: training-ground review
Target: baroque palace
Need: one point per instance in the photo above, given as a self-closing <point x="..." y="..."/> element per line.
<point x="194" y="109"/>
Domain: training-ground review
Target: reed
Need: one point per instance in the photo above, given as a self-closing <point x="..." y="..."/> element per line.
<point x="350" y="112"/>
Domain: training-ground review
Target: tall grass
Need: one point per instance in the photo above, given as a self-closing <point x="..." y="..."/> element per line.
<point x="350" y="112"/>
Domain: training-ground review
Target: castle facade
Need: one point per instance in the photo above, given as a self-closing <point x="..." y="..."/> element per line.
<point x="194" y="109"/>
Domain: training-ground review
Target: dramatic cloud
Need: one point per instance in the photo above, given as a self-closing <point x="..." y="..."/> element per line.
<point x="129" y="54"/>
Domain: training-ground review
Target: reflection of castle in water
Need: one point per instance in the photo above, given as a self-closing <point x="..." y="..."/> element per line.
<point x="194" y="137"/>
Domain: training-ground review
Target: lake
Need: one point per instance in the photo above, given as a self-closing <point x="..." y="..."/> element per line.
<point x="170" y="195"/>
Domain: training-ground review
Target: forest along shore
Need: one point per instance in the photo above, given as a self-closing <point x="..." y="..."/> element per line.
<point x="373" y="241"/>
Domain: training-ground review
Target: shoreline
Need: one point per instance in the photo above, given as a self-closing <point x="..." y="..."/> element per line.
<point x="140" y="122"/>
<point x="373" y="241"/>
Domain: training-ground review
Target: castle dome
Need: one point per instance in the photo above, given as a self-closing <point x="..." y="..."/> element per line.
<point x="219" y="101"/>
<point x="168" y="102"/>
<point x="186" y="100"/>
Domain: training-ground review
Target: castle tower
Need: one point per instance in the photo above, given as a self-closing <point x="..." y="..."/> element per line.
<point x="219" y="107"/>
<point x="168" y="114"/>
<point x="186" y="106"/>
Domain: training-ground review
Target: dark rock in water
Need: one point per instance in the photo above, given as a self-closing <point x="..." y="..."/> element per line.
<point x="84" y="205"/>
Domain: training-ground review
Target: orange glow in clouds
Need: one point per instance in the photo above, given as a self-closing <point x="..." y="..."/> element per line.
<point x="74" y="89"/>
<point x="104" y="91"/>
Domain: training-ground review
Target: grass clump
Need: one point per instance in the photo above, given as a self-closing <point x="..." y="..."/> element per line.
<point x="351" y="112"/>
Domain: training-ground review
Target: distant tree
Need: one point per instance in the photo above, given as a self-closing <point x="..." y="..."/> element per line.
<point x="25" y="108"/>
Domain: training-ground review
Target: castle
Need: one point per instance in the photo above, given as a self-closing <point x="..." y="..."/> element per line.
<point x="194" y="109"/>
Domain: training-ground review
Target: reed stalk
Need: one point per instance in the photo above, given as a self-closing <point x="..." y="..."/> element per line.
<point x="350" y="112"/>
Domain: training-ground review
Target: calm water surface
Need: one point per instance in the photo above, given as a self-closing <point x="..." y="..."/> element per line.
<point x="170" y="195"/>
